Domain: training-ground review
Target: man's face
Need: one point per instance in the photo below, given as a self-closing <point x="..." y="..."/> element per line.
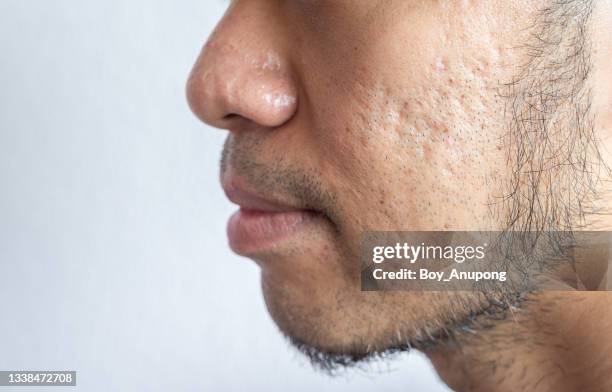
<point x="347" y="116"/>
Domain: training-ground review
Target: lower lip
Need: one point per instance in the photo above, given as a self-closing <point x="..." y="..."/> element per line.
<point x="250" y="231"/>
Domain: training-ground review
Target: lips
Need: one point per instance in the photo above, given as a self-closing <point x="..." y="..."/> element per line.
<point x="249" y="200"/>
<point x="261" y="223"/>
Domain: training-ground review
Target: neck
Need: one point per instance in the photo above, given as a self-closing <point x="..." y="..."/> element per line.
<point x="557" y="341"/>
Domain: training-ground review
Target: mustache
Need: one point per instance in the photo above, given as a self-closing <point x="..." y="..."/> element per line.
<point x="293" y="185"/>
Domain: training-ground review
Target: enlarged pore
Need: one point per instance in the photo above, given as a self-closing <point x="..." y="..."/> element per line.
<point x="553" y="149"/>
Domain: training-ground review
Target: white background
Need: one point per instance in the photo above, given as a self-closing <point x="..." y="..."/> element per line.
<point x="113" y="257"/>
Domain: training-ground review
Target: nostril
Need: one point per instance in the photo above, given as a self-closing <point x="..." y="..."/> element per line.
<point x="235" y="122"/>
<point x="231" y="116"/>
<point x="232" y="120"/>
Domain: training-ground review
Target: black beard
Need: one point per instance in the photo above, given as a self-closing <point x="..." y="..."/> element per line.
<point x="550" y="140"/>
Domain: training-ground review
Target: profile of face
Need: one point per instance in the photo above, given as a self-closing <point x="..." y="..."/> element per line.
<point x="346" y="116"/>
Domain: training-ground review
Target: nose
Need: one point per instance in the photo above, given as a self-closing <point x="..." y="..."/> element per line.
<point x="242" y="76"/>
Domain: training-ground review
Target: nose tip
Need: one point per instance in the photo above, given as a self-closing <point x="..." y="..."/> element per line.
<point x="229" y="85"/>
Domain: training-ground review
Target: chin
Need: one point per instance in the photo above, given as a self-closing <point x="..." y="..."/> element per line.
<point x="334" y="323"/>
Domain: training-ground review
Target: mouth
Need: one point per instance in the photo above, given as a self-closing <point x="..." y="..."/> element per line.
<point x="261" y="223"/>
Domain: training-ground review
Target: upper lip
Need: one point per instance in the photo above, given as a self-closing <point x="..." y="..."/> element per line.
<point x="247" y="199"/>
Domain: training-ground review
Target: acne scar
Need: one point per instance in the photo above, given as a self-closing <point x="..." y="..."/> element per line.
<point x="440" y="65"/>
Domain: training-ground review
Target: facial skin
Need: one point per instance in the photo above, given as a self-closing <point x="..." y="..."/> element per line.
<point x="411" y="115"/>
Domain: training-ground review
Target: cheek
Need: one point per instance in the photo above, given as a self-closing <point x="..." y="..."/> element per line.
<point x="420" y="153"/>
<point x="414" y="142"/>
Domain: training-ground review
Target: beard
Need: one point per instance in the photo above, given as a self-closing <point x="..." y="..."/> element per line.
<point x="554" y="184"/>
<point x="556" y="178"/>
